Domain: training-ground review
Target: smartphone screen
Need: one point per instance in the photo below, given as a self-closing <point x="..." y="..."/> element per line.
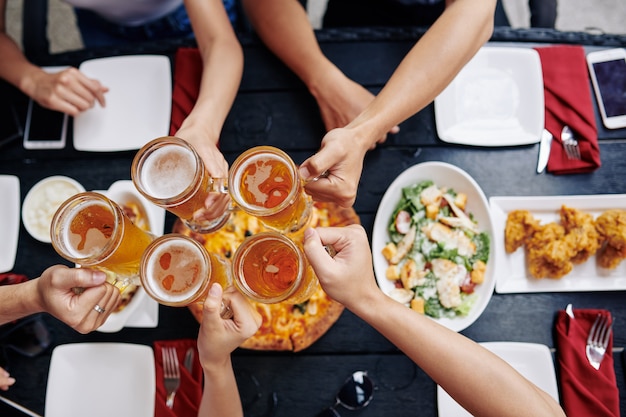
<point x="45" y="128"/>
<point x="611" y="78"/>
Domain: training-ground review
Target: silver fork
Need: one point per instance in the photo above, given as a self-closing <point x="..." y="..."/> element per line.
<point x="598" y="340"/>
<point x="570" y="144"/>
<point x="171" y="374"/>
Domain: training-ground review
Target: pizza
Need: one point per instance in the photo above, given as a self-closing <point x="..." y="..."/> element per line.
<point x="285" y="326"/>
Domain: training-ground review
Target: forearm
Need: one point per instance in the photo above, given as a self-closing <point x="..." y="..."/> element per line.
<point x="276" y="21"/>
<point x="220" y="396"/>
<point x="222" y="61"/>
<point x="467" y="371"/>
<point x="221" y="76"/>
<point x="429" y="67"/>
<point x="19" y="300"/>
<point x="15" y="68"/>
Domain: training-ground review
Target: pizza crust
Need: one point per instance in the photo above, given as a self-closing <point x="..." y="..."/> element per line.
<point x="285" y="326"/>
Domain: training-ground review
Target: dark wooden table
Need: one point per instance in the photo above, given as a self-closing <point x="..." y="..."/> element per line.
<point x="274" y="108"/>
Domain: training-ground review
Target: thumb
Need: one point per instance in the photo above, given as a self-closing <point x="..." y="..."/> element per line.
<point x="314" y="249"/>
<point x="213" y="300"/>
<point x="83" y="278"/>
<point x="314" y="167"/>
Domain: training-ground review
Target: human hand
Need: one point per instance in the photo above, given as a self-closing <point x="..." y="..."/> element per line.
<point x="341" y="162"/>
<point x="215" y="204"/>
<point x="68" y="91"/>
<point x="218" y="337"/>
<point x="55" y="288"/>
<point x="5" y="380"/>
<point x="341" y="100"/>
<point x="347" y="276"/>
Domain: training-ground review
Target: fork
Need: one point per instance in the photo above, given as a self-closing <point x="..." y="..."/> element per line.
<point x="569" y="143"/>
<point x="598" y="340"/>
<point x="171" y="374"/>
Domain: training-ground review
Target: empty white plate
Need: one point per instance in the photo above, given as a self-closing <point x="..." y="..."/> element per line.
<point x="101" y="380"/>
<point x="532" y="360"/>
<point x="495" y="100"/>
<point x="9" y="220"/>
<point x="138" y="103"/>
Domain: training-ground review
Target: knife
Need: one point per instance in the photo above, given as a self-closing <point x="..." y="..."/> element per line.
<point x="544" y="150"/>
<point x="188" y="362"/>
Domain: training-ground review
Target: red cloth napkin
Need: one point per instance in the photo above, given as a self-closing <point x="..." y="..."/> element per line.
<point x="187" y="76"/>
<point x="568" y="102"/>
<point x="585" y="391"/>
<point x="189" y="394"/>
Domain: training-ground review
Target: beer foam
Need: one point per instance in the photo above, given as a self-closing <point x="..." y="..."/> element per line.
<point x="95" y="240"/>
<point x="168" y="171"/>
<point x="262" y="173"/>
<point x="186" y="266"/>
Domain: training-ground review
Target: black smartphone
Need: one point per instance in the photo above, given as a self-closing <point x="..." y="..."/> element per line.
<point x="45" y="128"/>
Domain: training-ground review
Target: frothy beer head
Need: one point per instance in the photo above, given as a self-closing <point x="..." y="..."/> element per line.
<point x="175" y="270"/>
<point x="168" y="171"/>
<point x="268" y="267"/>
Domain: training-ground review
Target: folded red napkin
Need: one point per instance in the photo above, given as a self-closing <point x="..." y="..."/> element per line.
<point x="10" y="278"/>
<point x="568" y="103"/>
<point x="585" y="391"/>
<point x="189" y="394"/>
<point x="187" y="76"/>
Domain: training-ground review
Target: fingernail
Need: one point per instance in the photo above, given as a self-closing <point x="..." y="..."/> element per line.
<point x="214" y="291"/>
<point x="308" y="233"/>
<point x="304" y="173"/>
<point x="98" y="277"/>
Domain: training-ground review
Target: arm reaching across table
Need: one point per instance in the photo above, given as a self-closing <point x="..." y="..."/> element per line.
<point x="427" y="69"/>
<point x="451" y="359"/>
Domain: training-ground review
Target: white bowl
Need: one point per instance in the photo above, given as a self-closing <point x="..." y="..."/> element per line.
<point x="42" y="202"/>
<point x="442" y="174"/>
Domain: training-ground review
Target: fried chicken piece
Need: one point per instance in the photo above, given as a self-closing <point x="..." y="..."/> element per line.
<point x="610" y="257"/>
<point x="520" y="226"/>
<point x="581" y="234"/>
<point x="545" y="234"/>
<point x="551" y="260"/>
<point x="611" y="225"/>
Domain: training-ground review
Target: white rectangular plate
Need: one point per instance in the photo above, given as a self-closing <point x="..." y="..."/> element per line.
<point x="533" y="361"/>
<point x="101" y="380"/>
<point x="142" y="311"/>
<point x="9" y="220"/>
<point x="138" y="103"/>
<point x="495" y="100"/>
<point x="512" y="276"/>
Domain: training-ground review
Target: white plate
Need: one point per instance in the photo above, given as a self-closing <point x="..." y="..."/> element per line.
<point x="138" y="103"/>
<point x="495" y="100"/>
<point x="9" y="220"/>
<point x="101" y="380"/>
<point x="43" y="200"/>
<point x="442" y="174"/>
<point x="142" y="311"/>
<point x="533" y="361"/>
<point x="511" y="272"/>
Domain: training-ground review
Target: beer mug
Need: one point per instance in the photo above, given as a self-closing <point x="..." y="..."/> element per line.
<point x="92" y="231"/>
<point x="264" y="182"/>
<point x="176" y="271"/>
<point x="269" y="268"/>
<point x="171" y="174"/>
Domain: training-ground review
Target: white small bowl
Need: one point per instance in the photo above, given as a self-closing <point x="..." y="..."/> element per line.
<point x="42" y="202"/>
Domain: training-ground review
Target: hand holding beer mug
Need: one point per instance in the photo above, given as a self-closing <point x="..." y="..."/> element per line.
<point x="171" y="174"/>
<point x="177" y="271"/>
<point x="270" y="268"/>
<point x="93" y="231"/>
<point x="264" y="182"/>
